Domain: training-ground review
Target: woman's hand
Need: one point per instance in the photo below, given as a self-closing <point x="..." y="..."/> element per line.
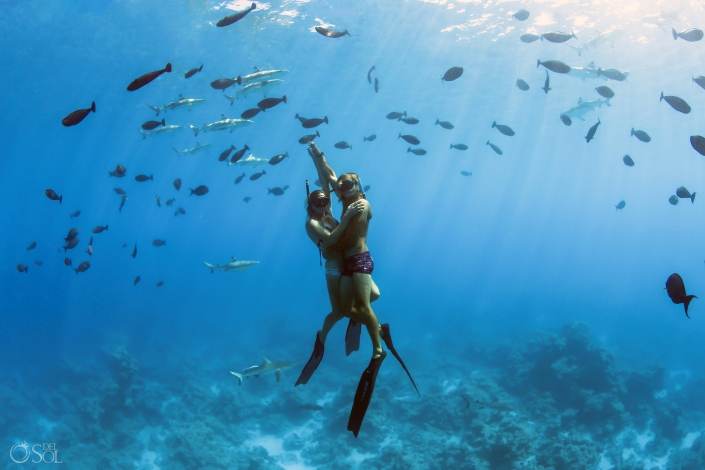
<point x="313" y="150"/>
<point x="353" y="209"/>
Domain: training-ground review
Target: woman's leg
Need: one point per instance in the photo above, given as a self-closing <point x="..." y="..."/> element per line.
<point x="336" y="314"/>
<point x="361" y="289"/>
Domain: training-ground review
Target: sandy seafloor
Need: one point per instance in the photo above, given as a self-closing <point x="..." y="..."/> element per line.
<point x="575" y="407"/>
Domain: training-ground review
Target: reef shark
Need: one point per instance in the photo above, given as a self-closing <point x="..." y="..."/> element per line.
<point x="251" y="160"/>
<point x="199" y="146"/>
<point x="266" y="367"/>
<point x="583" y="107"/>
<point x="263" y="87"/>
<point x="224" y="124"/>
<point x="262" y="75"/>
<point x="234" y="264"/>
<point x="188" y="102"/>
<point x="495" y="405"/>
<point x="589" y="71"/>
<point x="160" y="130"/>
<point x="608" y="37"/>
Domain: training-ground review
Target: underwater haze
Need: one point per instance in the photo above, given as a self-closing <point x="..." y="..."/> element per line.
<point x="524" y="281"/>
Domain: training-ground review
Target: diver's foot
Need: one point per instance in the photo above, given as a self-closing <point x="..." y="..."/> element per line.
<point x="387" y="338"/>
<point x="313" y="362"/>
<point x="363" y="395"/>
<point x="352" y="337"/>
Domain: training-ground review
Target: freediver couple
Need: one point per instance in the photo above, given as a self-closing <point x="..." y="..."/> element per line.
<point x="348" y="269"/>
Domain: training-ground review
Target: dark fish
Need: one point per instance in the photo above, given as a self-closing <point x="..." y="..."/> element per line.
<point x="71" y="244"/>
<point x="176" y="213"/>
<point x="250" y="113"/>
<point x="134" y="251"/>
<point x="521" y="15"/>
<point x="53" y="196"/>
<point x="276" y="191"/>
<point x="591" y="132"/>
<point x="459" y="146"/>
<point x="77" y="116"/>
<point x="410" y="138"/>
<point x="73" y="233"/>
<point x="32" y="246"/>
<point x="226" y="153"/>
<point x="369" y="75"/>
<point x="698" y="143"/>
<point x="546" y="88"/>
<point x="683" y="193"/>
<point x="376" y="85"/>
<point x="676" y="103"/>
<point x="146" y="78"/>
<point x="230" y="19"/>
<point x="628" y="160"/>
<point x="612" y="74"/>
<point x="554" y="66"/>
<point x="700" y="80"/>
<point x="239" y="178"/>
<point x="124" y="245"/>
<point x="330" y="33"/>
<point x="177" y="183"/>
<point x="223" y="83"/>
<point x="673" y="200"/>
<point x="342" y="145"/>
<point x="366" y="188"/>
<point x="170" y="201"/>
<point x="445" y="124"/>
<point x="620" y="205"/>
<point x="451" y="74"/>
<point x="89" y="249"/>
<point x="605" y="91"/>
<point x="119" y="191"/>
<point x="199" y="191"/>
<point x="238" y="155"/>
<point x="522" y="85"/>
<point x="122" y="201"/>
<point x="149" y="125"/>
<point x="278" y="158"/>
<point x="21" y="268"/>
<point x="247" y="198"/>
<point x="409" y="120"/>
<point x="98" y="228"/>
<point x="143" y="178"/>
<point x="558" y="37"/>
<point x="314" y="122"/>
<point x="75" y="214"/>
<point x="137" y="280"/>
<point x="67" y="262"/>
<point x="83" y="267"/>
<point x="641" y="135"/>
<point x="396" y="115"/>
<point x="465" y="173"/>
<point x="161" y="283"/>
<point x="193" y="72"/>
<point x="257" y="176"/>
<point x="566" y="120"/>
<point x="690" y="35"/>
<point x="676" y="291"/>
<point x="38" y="262"/>
<point x="506" y="130"/>
<point x="529" y="38"/>
<point x="309" y="138"/>
<point x="370" y="138"/>
<point x="416" y="151"/>
<point x="119" y="171"/>
<point x="158" y="242"/>
<point x="181" y="211"/>
<point x="268" y="103"/>
<point x="497" y="150"/>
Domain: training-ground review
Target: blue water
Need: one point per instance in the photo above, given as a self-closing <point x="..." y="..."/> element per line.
<point x="480" y="275"/>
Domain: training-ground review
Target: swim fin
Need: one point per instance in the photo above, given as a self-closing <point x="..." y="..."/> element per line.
<point x="387" y="338"/>
<point x="363" y="395"/>
<point x="352" y="337"/>
<point x="312" y="364"/>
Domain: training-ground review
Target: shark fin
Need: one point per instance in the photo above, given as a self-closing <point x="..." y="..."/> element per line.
<point x="265" y="361"/>
<point x="278" y="373"/>
<point x="238" y="376"/>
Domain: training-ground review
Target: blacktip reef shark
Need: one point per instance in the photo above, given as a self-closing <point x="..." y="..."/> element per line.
<point x="199" y="146"/>
<point x="251" y="160"/>
<point x="224" y="124"/>
<point x="183" y="102"/>
<point x="262" y="75"/>
<point x="234" y="264"/>
<point x="608" y="37"/>
<point x="583" y="107"/>
<point x="267" y="367"/>
<point x="263" y="87"/>
<point x="160" y="130"/>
